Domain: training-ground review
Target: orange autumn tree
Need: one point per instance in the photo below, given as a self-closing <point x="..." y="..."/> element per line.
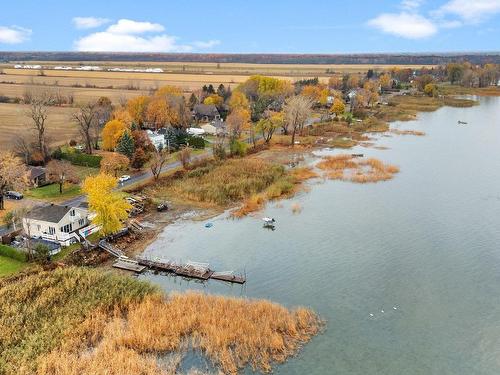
<point x="111" y="134"/>
<point x="122" y="115"/>
<point x="158" y="113"/>
<point x="136" y="107"/>
<point x="114" y="162"/>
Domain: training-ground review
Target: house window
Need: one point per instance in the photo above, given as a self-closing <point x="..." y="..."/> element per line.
<point x="81" y="222"/>
<point x="72" y="213"/>
<point x="67" y="228"/>
<point x="52" y="230"/>
<point x="38" y="227"/>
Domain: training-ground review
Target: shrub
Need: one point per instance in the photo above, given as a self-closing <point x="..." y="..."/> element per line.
<point x="196" y="142"/>
<point x="41" y="253"/>
<point x="72" y="143"/>
<point x="219" y="151"/>
<point x="85" y="160"/>
<point x="57" y="154"/>
<point x="12" y="253"/>
<point x="238" y="148"/>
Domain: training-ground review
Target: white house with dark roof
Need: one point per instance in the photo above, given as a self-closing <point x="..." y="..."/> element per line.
<point x="62" y="224"/>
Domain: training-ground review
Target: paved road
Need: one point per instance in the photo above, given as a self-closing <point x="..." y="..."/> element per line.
<point x="138" y="178"/>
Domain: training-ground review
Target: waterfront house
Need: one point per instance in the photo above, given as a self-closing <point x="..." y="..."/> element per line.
<point x="62" y="224"/>
<point x="205" y="112"/>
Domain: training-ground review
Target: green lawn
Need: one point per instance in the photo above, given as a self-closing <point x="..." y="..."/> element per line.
<point x="51" y="192"/>
<point x="9" y="266"/>
<point x="84" y="172"/>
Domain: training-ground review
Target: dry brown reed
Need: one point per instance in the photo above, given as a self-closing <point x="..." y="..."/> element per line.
<point x="347" y="168"/>
<point x="296" y="208"/>
<point x="231" y="332"/>
<point x="407" y="132"/>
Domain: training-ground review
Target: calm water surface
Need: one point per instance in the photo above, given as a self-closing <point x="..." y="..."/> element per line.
<point x="424" y="248"/>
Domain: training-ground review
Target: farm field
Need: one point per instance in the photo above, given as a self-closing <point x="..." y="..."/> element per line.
<point x="14" y="122"/>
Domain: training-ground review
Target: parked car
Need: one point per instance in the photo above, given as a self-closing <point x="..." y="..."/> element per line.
<point x="162" y="207"/>
<point x="124" y="178"/>
<point x="13" y="195"/>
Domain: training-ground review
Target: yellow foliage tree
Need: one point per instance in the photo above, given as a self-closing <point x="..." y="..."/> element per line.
<point x="238" y="100"/>
<point x="111" y="134"/>
<point x="385" y="81"/>
<point x="338" y="107"/>
<point x="214" y="99"/>
<point x="137" y="108"/>
<point x="109" y="206"/>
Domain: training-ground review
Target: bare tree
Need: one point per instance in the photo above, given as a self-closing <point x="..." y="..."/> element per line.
<point x="13" y="174"/>
<point x="23" y="147"/>
<point x="60" y="172"/>
<point x="297" y="110"/>
<point x="157" y="162"/>
<point x="104" y="109"/>
<point x="38" y="112"/>
<point x="86" y="117"/>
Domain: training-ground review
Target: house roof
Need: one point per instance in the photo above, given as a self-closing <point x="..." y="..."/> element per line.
<point x="205" y="110"/>
<point x="36" y="172"/>
<point x="53" y="213"/>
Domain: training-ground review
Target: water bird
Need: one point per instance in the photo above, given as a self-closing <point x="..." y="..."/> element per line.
<point x="462" y="122"/>
<point x="382" y="311"/>
<point x="394" y="308"/>
<point x="209" y="225"/>
<point x="371" y="315"/>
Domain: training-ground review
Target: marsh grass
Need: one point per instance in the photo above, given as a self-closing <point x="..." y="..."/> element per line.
<point x="347" y="168"/>
<point x="36" y="309"/>
<point x="82" y="321"/>
<point x="285" y="186"/>
<point x="231" y="332"/>
<point x="220" y="183"/>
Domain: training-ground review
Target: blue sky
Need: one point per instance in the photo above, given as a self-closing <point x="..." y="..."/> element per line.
<point x="314" y="26"/>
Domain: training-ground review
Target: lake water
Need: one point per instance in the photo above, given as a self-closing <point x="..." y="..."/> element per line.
<point x="423" y="247"/>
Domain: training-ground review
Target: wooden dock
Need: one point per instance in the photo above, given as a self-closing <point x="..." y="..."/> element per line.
<point x="129" y="265"/>
<point x="193" y="270"/>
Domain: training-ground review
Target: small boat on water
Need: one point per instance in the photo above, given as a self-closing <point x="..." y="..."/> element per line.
<point x="268" y="220"/>
<point x="462" y="122"/>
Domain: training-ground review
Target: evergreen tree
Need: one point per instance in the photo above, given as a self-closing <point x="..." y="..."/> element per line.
<point x="126" y="145"/>
<point x="134" y="126"/>
<point x="210" y="89"/>
<point x="221" y="91"/>
<point x="193" y="100"/>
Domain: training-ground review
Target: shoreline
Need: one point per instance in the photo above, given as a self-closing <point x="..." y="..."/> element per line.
<point x="279" y="154"/>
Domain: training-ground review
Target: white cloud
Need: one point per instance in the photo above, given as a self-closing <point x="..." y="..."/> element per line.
<point x="14" y="34"/>
<point x="471" y="11"/>
<point x="125" y="26"/>
<point x="404" y="24"/>
<point x="89" y="22"/>
<point x="123" y="37"/>
<point x="411" y="4"/>
<point x="207" y="44"/>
